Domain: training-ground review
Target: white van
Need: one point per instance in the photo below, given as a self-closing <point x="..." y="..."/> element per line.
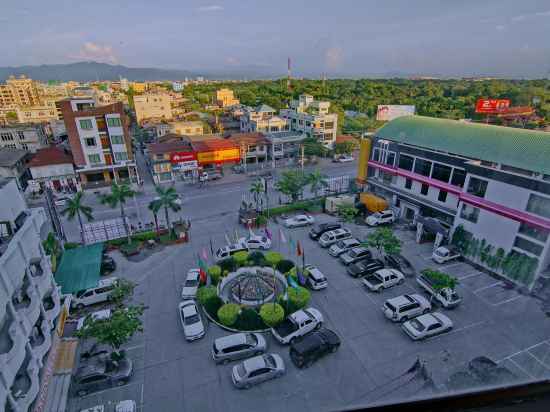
<point x="98" y="294"/>
<point x="332" y="237"/>
<point x="228" y="251"/>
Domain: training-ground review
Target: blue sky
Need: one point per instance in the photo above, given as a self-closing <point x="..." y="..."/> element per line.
<point x="339" y="38"/>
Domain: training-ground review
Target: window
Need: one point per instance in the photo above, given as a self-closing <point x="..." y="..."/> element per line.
<point x="165" y="176"/>
<point x="119" y="156"/>
<point x="406" y="162"/>
<point x="422" y="167"/>
<point x="329" y="125"/>
<point x="390" y="158"/>
<point x="117" y="139"/>
<point x="94" y="158"/>
<point x="86" y="124"/>
<point x="6" y="137"/>
<point x="459" y="176"/>
<point x="517" y="170"/>
<point x="408" y="184"/>
<point x="21" y="135"/>
<point x="113" y="122"/>
<point x="539" y="205"/>
<point x="442" y="197"/>
<point x="376" y="155"/>
<point x="90" y="141"/>
<point x="535" y="233"/>
<point x="469" y="213"/>
<point x="441" y="172"/>
<point x="528" y="246"/>
<point x="477" y="187"/>
<point x="424" y="189"/>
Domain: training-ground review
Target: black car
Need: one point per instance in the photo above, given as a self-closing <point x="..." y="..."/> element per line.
<point x="313" y="346"/>
<point x="317" y="230"/>
<point x="101" y="374"/>
<point x="365" y="267"/>
<point x="108" y="265"/>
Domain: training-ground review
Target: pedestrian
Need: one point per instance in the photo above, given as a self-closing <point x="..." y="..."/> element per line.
<point x="280" y="201"/>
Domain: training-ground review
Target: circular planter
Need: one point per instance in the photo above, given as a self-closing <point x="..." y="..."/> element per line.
<point x="232" y="329"/>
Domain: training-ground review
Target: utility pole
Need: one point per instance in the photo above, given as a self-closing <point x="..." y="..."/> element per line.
<point x="302" y="157"/>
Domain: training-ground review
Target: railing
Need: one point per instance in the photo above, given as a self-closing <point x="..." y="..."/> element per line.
<point x="95" y="185"/>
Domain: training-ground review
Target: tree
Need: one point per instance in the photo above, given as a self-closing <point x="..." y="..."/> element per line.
<point x="344" y="148"/>
<point x="76" y="207"/>
<point x="11" y="116"/>
<point x="273" y="258"/>
<point x="384" y="240"/>
<point x="347" y="212"/>
<point x="316" y="181"/>
<point x="292" y="183"/>
<point x="118" y="196"/>
<point x="167" y="199"/>
<point x="312" y="147"/>
<point x="257" y="188"/>
<point x="51" y="247"/>
<point x="116" y="330"/>
<point x="154" y="207"/>
<point x="123" y="290"/>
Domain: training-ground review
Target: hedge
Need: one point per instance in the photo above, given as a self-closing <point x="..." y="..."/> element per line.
<point x="215" y="273"/>
<point x="257" y="258"/>
<point x="129" y="248"/>
<point x="212" y="305"/>
<point x="298" y="297"/>
<point x="240" y="258"/>
<point x="273" y="258"/>
<point x="249" y="319"/>
<point x="307" y="205"/>
<point x="228" y="265"/>
<point x="294" y="274"/>
<point x="285" y="265"/>
<point x="228" y="313"/>
<point x="272" y="314"/>
<point x="205" y="293"/>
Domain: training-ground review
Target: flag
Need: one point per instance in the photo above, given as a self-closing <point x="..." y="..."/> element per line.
<point x="211" y="248"/>
<point x="292" y="282"/>
<point x="227" y="240"/>
<point x="301" y="278"/>
<point x="268" y="233"/>
<point x="204" y="254"/>
<point x="236" y="236"/>
<point x="290" y="242"/>
<point x="299" y="250"/>
<point x="202" y="270"/>
<point x="282" y="236"/>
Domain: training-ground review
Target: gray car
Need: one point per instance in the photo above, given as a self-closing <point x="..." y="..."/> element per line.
<point x="98" y="375"/>
<point x="238" y="346"/>
<point x="257" y="370"/>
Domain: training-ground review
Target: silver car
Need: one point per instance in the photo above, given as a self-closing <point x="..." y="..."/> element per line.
<point x="427" y="325"/>
<point x="405" y="307"/>
<point x="257" y="370"/>
<point x="238" y="346"/>
<point x="343" y="246"/>
<point x="191" y="320"/>
<point x="191" y="284"/>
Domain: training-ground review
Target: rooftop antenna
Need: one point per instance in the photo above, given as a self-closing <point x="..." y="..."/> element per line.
<point x="288" y="84"/>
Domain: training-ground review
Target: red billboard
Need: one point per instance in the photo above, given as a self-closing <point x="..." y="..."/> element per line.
<point x="180" y="157"/>
<point x="492" y="105"/>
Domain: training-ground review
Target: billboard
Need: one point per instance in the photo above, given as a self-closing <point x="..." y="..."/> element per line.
<point x="492" y="105"/>
<point x="220" y="156"/>
<point x="180" y="157"/>
<point x="387" y="112"/>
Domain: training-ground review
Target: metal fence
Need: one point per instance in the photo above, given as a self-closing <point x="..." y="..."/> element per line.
<point x="104" y="230"/>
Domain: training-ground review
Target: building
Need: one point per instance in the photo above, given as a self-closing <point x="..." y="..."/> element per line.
<point x="53" y="167"/>
<point x="492" y="182"/>
<point x="186" y="127"/>
<point x="37" y="114"/>
<point x="19" y="92"/>
<point x="213" y="151"/>
<point x="313" y="118"/>
<point x="225" y="98"/>
<point x="254" y="147"/>
<point x="13" y="165"/>
<point x="177" y="86"/>
<point x="153" y="106"/>
<point x="284" y="144"/>
<point x="30" y="300"/>
<point x="29" y="137"/>
<point x="262" y="119"/>
<point x="171" y="160"/>
<point x="124" y="84"/>
<point x="138" y="87"/>
<point x="100" y="142"/>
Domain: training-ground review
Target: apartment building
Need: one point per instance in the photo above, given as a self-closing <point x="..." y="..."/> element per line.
<point x="488" y="186"/>
<point x="53" y="168"/>
<point x="313" y="118"/>
<point x="262" y="119"/>
<point x="42" y="113"/>
<point x="31" y="302"/>
<point x="284" y="144"/>
<point x="153" y="106"/>
<point x="13" y="165"/>
<point x="172" y="159"/>
<point x="226" y="98"/>
<point x="254" y="147"/>
<point x="20" y="91"/>
<point x="29" y="137"/>
<point x="100" y="142"/>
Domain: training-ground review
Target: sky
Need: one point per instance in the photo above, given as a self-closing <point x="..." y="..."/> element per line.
<point x="335" y="38"/>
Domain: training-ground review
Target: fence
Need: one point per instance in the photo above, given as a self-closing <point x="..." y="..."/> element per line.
<point x="104" y="230"/>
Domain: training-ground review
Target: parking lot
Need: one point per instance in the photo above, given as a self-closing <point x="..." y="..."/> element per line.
<point x="172" y="374"/>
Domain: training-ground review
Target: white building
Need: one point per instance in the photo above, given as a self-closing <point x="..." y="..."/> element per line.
<point x="29" y="137"/>
<point x="124" y="84"/>
<point x="177" y="86"/>
<point x="53" y="167"/>
<point x="30" y="301"/>
<point x="262" y="119"/>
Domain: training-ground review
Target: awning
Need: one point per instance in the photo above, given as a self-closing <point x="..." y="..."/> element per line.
<point x="79" y="268"/>
<point x="432" y="225"/>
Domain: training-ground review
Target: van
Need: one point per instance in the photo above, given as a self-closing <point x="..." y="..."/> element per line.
<point x="98" y="294"/>
<point x="228" y="251"/>
<point x="329" y="238"/>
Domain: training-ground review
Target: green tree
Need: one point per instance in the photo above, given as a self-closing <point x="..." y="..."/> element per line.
<point x="347" y="212"/>
<point x="11" y="116"/>
<point x="240" y="258"/>
<point x="317" y="181"/>
<point x="292" y="183"/>
<point x="272" y="314"/>
<point x="123" y="290"/>
<point x="344" y="148"/>
<point x="228" y="313"/>
<point x="154" y="207"/>
<point x="76" y="207"/>
<point x="118" y="197"/>
<point x="273" y="258"/>
<point x="257" y="188"/>
<point x="167" y="199"/>
<point x="385" y="241"/>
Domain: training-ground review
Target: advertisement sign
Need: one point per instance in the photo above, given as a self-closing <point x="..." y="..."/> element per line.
<point x="185" y="166"/>
<point x="492" y="105"/>
<point x="220" y="156"/>
<point x="178" y="157"/>
<point x="387" y="112"/>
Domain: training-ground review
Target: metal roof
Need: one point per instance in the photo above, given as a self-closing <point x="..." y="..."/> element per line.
<point x="525" y="149"/>
<point x="79" y="268"/>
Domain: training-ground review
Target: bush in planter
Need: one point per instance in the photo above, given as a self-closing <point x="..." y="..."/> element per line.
<point x="257" y="258"/>
<point x="145" y="236"/>
<point x="285" y="265"/>
<point x="293" y="273"/>
<point x="261" y="220"/>
<point x="249" y="319"/>
<point x="228" y="313"/>
<point x="205" y="293"/>
<point x="272" y="314"/>
<point x="212" y="305"/>
<point x="240" y="258"/>
<point x="130" y="249"/>
<point x="273" y="258"/>
<point x="299" y="297"/>
<point x="215" y="273"/>
<point x="228" y="265"/>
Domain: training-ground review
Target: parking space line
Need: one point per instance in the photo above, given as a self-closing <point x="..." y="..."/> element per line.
<point x="526" y="349"/>
<point x="471" y="275"/>
<point x="520" y="368"/>
<point x="109" y="389"/>
<point x="451" y="265"/>
<point x="488" y="286"/>
<point x="458" y="330"/>
<point x="538" y="360"/>
<point x="507" y="300"/>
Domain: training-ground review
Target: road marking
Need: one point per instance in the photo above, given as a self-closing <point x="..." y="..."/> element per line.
<point x="507" y="300"/>
<point x="109" y="389"/>
<point x="134" y="347"/>
<point x="142" y="387"/>
<point x="473" y="325"/>
<point x="539" y="361"/>
<point x="520" y="368"/>
<point x="488" y="286"/>
<point x="471" y="275"/>
<point x="526" y="349"/>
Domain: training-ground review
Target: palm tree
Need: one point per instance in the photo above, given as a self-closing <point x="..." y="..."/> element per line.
<point x="76" y="207"/>
<point x="154" y="207"/>
<point x="256" y="188"/>
<point x="167" y="199"/>
<point x="118" y="196"/>
<point x="316" y="181"/>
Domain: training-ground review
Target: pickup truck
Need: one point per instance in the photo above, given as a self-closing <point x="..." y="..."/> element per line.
<point x="445" y="253"/>
<point x="297" y="324"/>
<point x="447" y="297"/>
<point x="383" y="279"/>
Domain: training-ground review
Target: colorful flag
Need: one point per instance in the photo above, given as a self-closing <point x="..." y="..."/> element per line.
<point x="290" y="242"/>
<point x="282" y="236"/>
<point x="299" y="250"/>
<point x="227" y="240"/>
<point x="300" y="275"/>
<point x="202" y="270"/>
<point x="211" y="247"/>
<point x="268" y="233"/>
<point x="204" y="254"/>
<point x="292" y="282"/>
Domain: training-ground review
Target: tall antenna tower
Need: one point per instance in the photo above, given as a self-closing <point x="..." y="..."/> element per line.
<point x="324" y="83"/>
<point x="288" y="85"/>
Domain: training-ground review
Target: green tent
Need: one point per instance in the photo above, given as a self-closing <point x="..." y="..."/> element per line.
<point x="79" y="268"/>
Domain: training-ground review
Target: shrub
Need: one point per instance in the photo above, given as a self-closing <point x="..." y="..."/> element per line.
<point x="228" y="265"/>
<point x="298" y="297"/>
<point x="285" y="265"/>
<point x="261" y="220"/>
<point x="240" y="258"/>
<point x="71" y="245"/>
<point x="143" y="236"/>
<point x="257" y="258"/>
<point x="205" y="293"/>
<point x="272" y="314"/>
<point x="130" y="249"/>
<point x="294" y="274"/>
<point x="249" y="319"/>
<point x="215" y="273"/>
<point x="228" y="313"/>
<point x="273" y="258"/>
<point x="212" y="305"/>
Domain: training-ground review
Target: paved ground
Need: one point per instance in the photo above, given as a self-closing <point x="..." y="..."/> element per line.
<point x="173" y="375"/>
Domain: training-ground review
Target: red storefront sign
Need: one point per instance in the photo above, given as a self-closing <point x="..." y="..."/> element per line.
<point x="180" y="157"/>
<point x="492" y="105"/>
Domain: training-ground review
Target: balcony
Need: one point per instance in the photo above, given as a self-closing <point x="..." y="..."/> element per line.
<point x="12" y="348"/>
<point x="41" y="338"/>
<point x="26" y="384"/>
<point x="35" y="267"/>
<point x="52" y="305"/>
<point x="95" y="185"/>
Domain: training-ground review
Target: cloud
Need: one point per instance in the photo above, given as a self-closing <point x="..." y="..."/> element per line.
<point x="213" y="7"/>
<point x="232" y="61"/>
<point x="334" y="57"/>
<point x="543" y="13"/>
<point x="96" y="52"/>
<point x="500" y="27"/>
<point x="521" y="17"/>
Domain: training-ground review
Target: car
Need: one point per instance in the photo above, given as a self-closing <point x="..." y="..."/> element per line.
<point x="98" y="315"/>
<point x="313" y="346"/>
<point x="257" y="370"/>
<point x="316" y="231"/>
<point x="256" y="242"/>
<point x="315" y="279"/>
<point x="177" y="201"/>
<point x="343" y="246"/>
<point x="100" y="293"/>
<point x="405" y="307"/>
<point x="90" y="349"/>
<point x="379" y="218"/>
<point x="355" y="255"/>
<point x="101" y="374"/>
<point x="297" y="324"/>
<point x="298" y="221"/>
<point x="191" y="321"/>
<point x="345" y="159"/>
<point x="383" y="279"/>
<point x="238" y="346"/>
<point x="427" y="325"/>
<point x="329" y="238"/>
<point x="445" y="254"/>
<point x="229" y="250"/>
<point x="108" y="265"/>
<point x="191" y="284"/>
<point x="365" y="267"/>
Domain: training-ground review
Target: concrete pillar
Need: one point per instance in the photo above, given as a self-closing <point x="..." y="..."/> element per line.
<point x="419" y="230"/>
<point x="438" y="240"/>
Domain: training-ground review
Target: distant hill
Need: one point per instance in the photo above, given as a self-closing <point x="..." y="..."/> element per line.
<point x="90" y="71"/>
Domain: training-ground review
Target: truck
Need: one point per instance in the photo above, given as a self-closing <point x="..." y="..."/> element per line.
<point x="333" y="202"/>
<point x="383" y="279"/>
<point x="297" y="324"/>
<point x="445" y="254"/>
<point x="372" y="202"/>
<point x="446" y="296"/>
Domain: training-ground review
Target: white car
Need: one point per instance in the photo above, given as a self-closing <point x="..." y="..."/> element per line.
<point x="343" y="246"/>
<point x="191" y="320"/>
<point x="329" y="238"/>
<point x="98" y="315"/>
<point x="345" y="159"/>
<point x="257" y="370"/>
<point x="380" y="218"/>
<point x="256" y="242"/>
<point x="405" y="307"/>
<point x="191" y="284"/>
<point x="315" y="279"/>
<point x="427" y="325"/>
<point x="298" y="221"/>
<point x="297" y="324"/>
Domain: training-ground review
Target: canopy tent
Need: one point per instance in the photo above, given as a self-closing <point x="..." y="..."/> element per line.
<point x="80" y="268"/>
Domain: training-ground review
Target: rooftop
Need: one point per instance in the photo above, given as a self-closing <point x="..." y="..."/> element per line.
<point x="10" y="157"/>
<point x="248" y="138"/>
<point x="170" y="146"/>
<point x="525" y="149"/>
<point x="51" y="156"/>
